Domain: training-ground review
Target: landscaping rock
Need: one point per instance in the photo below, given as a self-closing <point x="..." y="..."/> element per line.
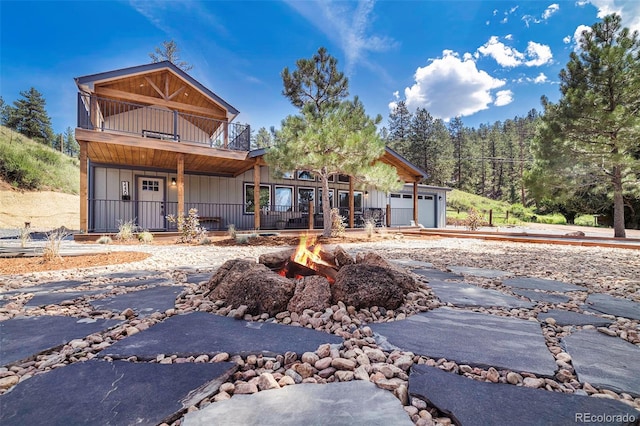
<point x="363" y="286"/>
<point x="311" y="292"/>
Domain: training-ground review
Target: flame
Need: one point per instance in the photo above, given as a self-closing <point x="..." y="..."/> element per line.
<point x="308" y="253"/>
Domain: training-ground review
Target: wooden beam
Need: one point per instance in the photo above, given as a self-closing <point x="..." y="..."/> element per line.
<point x="351" y="204"/>
<point x="166" y="85"/>
<point x="219" y="114"/>
<point x="180" y="185"/>
<point x="176" y="93"/>
<point x="415" y="202"/>
<point x="156" y="88"/>
<point x="256" y="196"/>
<point x="84" y="188"/>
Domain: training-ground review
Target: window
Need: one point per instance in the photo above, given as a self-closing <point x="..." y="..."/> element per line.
<point x="332" y="178"/>
<point x="265" y="198"/>
<point x="407" y="196"/>
<point x="287" y="175"/>
<point x="343" y="200"/>
<point x="150" y="185"/>
<point x="305" y="196"/>
<point x="395" y="195"/>
<point x="305" y="175"/>
<point x="343" y="178"/>
<point x="283" y="199"/>
<point x="331" y="204"/>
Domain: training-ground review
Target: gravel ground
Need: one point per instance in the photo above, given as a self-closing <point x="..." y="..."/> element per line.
<point x="602" y="270"/>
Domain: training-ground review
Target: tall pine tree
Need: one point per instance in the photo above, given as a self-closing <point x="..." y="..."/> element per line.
<point x="29" y="117"/>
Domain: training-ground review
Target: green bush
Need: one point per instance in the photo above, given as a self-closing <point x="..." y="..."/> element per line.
<point x="46" y="155"/>
<point x="126" y="230"/>
<point x="145" y="237"/>
<point x="189" y="227"/>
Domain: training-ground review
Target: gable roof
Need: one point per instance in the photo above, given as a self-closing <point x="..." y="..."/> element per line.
<point x="88" y="82"/>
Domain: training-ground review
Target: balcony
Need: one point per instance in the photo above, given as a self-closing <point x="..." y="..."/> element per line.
<point x="157" y="122"/>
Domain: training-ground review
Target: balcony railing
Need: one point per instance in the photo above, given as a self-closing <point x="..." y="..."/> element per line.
<point x="106" y="215"/>
<point x="96" y="113"/>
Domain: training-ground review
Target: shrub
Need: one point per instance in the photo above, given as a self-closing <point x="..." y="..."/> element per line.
<point x="105" y="239"/>
<point x="189" y="227"/>
<point x="205" y="241"/>
<point x="369" y="227"/>
<point x="337" y="223"/>
<point x="474" y="220"/>
<point x="126" y="230"/>
<point x="52" y="246"/>
<point x="231" y="231"/>
<point x="145" y="237"/>
<point x="25" y="236"/>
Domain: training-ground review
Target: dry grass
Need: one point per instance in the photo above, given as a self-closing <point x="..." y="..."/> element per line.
<point x="24" y="265"/>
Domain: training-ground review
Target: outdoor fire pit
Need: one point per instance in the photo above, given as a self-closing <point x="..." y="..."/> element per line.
<point x="309" y="277"/>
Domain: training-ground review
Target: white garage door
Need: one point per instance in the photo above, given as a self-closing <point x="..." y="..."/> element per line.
<point x="401" y="209"/>
<point x="427" y="210"/>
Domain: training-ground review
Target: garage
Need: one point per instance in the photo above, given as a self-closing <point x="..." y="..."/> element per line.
<point x="431" y="206"/>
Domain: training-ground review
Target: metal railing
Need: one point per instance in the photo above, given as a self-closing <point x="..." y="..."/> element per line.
<point x="107" y="215"/>
<point x="96" y="113"/>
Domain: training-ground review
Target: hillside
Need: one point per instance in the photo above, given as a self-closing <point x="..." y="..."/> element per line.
<point x="37" y="185"/>
<point x="29" y="165"/>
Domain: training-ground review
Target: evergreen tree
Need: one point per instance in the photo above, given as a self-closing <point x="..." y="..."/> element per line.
<point x="400" y="128"/>
<point x="71" y="146"/>
<point x="169" y="52"/>
<point x="431" y="147"/>
<point x="29" y="117"/>
<point x="592" y="133"/>
<point x="263" y="138"/>
<point x="457" y="134"/>
<point x="316" y="84"/>
<point x="329" y="136"/>
<point x="4" y="112"/>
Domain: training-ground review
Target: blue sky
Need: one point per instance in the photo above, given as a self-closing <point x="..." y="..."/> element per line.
<point x="483" y="60"/>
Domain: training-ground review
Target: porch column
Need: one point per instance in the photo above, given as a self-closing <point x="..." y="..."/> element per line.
<point x="256" y="195"/>
<point x="415" y="202"/>
<point x="93" y="111"/>
<point x="84" y="188"/>
<point x="352" y="203"/>
<point x="226" y="135"/>
<point x="180" y="185"/>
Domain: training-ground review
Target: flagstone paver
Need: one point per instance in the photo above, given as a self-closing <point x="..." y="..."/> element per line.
<point x="56" y="298"/>
<point x="462" y="294"/>
<point x="143" y="302"/>
<point x="472" y="338"/>
<point x="480" y="272"/>
<point x="22" y="337"/>
<point x="342" y="403"/>
<point x="201" y="333"/>
<point x="605" y="361"/>
<point x="573" y="318"/>
<point x="111" y="393"/>
<point x="613" y="306"/>
<point x="541" y="284"/>
<point x="471" y="402"/>
<point x="541" y="296"/>
<point x="436" y="274"/>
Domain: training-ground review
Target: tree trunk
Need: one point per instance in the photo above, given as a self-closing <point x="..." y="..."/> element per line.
<point x="618" y="204"/>
<point x="326" y="206"/>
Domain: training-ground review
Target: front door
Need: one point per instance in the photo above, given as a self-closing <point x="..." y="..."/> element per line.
<point x="150" y="203"/>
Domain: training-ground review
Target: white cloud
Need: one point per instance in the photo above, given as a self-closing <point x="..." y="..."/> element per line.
<point x="566" y="39"/>
<point x="536" y="54"/>
<point x="540" y="54"/>
<point x="508" y="37"/>
<point x="450" y="87"/>
<point x="503" y="97"/>
<point x="577" y="36"/>
<point x="550" y="10"/>
<point x="629" y="10"/>
<point x="541" y="78"/>
<point x="347" y="27"/>
<point x="504" y="55"/>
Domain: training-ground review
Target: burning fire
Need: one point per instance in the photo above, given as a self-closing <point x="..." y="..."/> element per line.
<point x="309" y="255"/>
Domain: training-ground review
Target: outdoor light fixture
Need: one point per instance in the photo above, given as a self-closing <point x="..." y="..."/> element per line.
<point x="173" y="181"/>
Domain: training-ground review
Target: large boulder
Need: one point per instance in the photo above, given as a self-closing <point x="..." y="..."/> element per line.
<point x="313" y="292"/>
<point x="363" y="286"/>
<point x="405" y="280"/>
<point x="276" y="260"/>
<point x="244" y="282"/>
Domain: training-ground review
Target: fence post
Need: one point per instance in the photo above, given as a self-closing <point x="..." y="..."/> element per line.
<point x="490" y="217"/>
<point x="388" y="216"/>
<point x="507" y="217"/>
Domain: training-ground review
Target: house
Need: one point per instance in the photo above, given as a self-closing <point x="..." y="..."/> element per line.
<point x="156" y="142"/>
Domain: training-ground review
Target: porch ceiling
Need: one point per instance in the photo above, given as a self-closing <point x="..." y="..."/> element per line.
<point x="135" y="151"/>
<point x="405" y="172"/>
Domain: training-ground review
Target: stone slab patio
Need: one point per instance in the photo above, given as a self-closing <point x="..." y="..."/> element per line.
<point x="573" y="318"/>
<point x="471" y="402"/>
<point x="201" y="333"/>
<point x="56" y="298"/>
<point x="613" y="306"/>
<point x="436" y="274"/>
<point x="463" y="294"/>
<point x="471" y="338"/>
<point x="541" y="284"/>
<point x="541" y="296"/>
<point x="479" y="272"/>
<point x="605" y="361"/>
<point x="143" y="302"/>
<point x="111" y="393"/>
<point x="348" y="403"/>
<point x="23" y="337"/>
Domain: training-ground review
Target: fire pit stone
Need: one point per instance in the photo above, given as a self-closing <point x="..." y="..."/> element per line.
<point x="311" y="292"/>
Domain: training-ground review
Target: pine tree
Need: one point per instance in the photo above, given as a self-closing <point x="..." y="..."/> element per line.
<point x="71" y="146"/>
<point x="169" y="52"/>
<point x="592" y="133"/>
<point x="29" y="117"/>
<point x="400" y="128"/>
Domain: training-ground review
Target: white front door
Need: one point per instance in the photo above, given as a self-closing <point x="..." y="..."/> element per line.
<point x="150" y="203"/>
